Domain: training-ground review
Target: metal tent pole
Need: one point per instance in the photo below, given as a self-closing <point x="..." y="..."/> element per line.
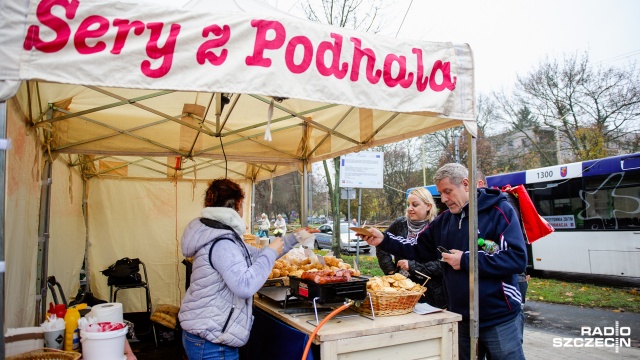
<point x="473" y="248"/>
<point x="4" y="145"/>
<point x="253" y="205"/>
<point x="303" y="194"/>
<point x="43" y="238"/>
<point x="43" y="243"/>
<point x="359" y="224"/>
<point x="87" y="240"/>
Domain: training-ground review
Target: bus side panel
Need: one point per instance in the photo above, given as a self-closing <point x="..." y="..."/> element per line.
<point x="593" y="252"/>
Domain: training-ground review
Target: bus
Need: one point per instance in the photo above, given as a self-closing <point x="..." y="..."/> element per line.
<point x="594" y="207"/>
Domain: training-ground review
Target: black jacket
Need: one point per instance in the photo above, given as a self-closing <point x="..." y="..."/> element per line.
<point x="436" y="294"/>
<point x="498" y="272"/>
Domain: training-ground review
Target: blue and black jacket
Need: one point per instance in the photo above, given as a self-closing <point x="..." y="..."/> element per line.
<point x="500" y="299"/>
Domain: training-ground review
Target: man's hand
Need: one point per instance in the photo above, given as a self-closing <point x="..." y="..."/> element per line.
<point x="403" y="264"/>
<point x="375" y="239"/>
<point x="453" y="259"/>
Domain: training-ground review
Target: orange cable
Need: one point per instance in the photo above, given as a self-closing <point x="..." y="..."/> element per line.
<point x="315" y="331"/>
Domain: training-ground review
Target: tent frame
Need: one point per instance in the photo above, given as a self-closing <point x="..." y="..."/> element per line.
<point x="45" y="216"/>
<point x="3" y="162"/>
<point x="327" y="119"/>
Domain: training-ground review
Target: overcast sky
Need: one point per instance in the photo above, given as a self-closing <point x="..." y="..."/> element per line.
<point x="510" y="37"/>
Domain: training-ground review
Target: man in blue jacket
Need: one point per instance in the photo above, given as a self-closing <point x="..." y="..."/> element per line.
<point x="500" y="335"/>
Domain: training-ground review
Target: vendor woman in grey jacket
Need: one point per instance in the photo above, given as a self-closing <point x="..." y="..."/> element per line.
<point x="216" y="312"/>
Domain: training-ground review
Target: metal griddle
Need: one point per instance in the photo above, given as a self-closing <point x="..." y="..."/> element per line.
<point x="354" y="289"/>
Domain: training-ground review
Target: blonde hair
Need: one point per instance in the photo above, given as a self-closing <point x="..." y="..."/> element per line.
<point x="425" y="196"/>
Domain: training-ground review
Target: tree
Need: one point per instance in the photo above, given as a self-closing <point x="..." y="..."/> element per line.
<point x="525" y="119"/>
<point x="572" y="96"/>
<point x="525" y="144"/>
<point x="484" y="151"/>
<point x="319" y="201"/>
<point x="593" y="141"/>
<point x="447" y="145"/>
<point x="279" y="195"/>
<point x="353" y="15"/>
<point x="334" y="195"/>
<point x="402" y="161"/>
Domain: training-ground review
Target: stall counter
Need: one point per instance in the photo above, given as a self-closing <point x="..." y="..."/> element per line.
<point x="410" y="336"/>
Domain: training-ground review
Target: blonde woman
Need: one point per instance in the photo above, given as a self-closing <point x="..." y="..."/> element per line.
<point x="421" y="210"/>
<point x="264" y="226"/>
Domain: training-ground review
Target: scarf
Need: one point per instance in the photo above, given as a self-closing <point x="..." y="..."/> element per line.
<point x="415" y="227"/>
<point x="227" y="216"/>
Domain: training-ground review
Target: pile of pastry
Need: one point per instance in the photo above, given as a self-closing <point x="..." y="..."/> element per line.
<point x="295" y="265"/>
<point x="392" y="283"/>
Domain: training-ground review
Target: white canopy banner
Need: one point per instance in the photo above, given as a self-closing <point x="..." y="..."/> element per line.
<point x="213" y="46"/>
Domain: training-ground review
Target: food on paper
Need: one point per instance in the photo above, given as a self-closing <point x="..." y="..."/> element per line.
<point x="361" y="231"/>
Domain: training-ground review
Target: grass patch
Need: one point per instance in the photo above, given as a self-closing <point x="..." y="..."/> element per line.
<point x="368" y="264"/>
<point x="579" y="294"/>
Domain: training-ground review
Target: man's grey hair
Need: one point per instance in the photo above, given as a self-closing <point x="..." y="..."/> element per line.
<point x="454" y="171"/>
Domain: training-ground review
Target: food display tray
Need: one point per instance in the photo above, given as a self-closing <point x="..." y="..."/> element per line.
<point x="354" y="289"/>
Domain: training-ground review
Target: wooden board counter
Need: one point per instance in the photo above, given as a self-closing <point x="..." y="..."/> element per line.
<point x="410" y="336"/>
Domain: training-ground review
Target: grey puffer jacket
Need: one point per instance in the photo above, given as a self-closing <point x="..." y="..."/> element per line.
<point x="218" y="304"/>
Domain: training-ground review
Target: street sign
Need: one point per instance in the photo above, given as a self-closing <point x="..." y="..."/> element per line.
<point x="347" y="194"/>
<point x="362" y="170"/>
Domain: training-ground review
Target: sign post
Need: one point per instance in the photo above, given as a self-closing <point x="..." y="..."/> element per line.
<point x="360" y="170"/>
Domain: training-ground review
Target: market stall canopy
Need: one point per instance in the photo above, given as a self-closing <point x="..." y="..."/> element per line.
<point x="207" y="88"/>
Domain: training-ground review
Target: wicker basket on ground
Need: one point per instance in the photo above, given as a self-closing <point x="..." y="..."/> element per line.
<point x="46" y="354"/>
<point x="388" y="303"/>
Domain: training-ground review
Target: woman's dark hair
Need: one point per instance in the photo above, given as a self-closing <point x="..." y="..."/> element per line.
<point x="223" y="193"/>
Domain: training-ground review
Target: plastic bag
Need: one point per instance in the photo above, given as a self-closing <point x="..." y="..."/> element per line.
<point x="123" y="272"/>
<point x="535" y="226"/>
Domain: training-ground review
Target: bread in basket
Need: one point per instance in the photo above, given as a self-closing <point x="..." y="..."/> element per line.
<point x="391" y="295"/>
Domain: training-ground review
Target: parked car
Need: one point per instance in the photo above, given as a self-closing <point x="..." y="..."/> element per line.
<point x="323" y="239"/>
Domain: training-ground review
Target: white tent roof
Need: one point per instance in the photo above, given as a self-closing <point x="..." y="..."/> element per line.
<point x="136" y="90"/>
<point x="340" y="91"/>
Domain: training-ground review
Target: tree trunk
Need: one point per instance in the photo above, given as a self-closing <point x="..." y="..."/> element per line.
<point x="334" y="200"/>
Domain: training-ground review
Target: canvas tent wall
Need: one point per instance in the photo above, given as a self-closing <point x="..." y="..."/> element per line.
<point x="130" y="217"/>
<point x="143" y="86"/>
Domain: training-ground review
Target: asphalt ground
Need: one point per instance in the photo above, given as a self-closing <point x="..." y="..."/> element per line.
<point x="554" y="331"/>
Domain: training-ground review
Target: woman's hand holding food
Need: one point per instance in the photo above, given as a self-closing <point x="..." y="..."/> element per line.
<point x="278" y="245"/>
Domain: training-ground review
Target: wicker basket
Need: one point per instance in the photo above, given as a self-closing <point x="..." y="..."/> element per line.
<point x="387" y="303"/>
<point x="46" y="354"/>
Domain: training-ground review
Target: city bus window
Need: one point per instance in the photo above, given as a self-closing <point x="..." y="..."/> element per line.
<point x="612" y="201"/>
<point x="615" y="209"/>
<point x="559" y="202"/>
